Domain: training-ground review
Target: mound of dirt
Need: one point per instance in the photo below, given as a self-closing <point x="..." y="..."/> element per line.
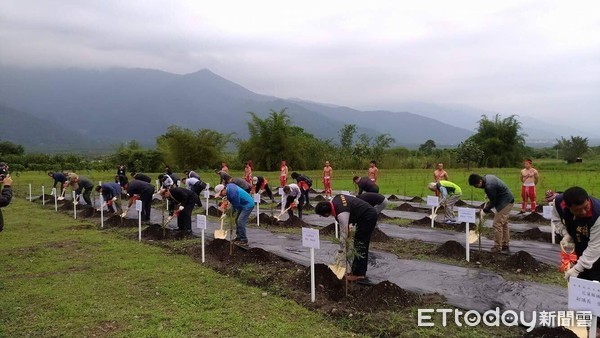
<point x="293" y="222"/>
<point x="534" y="217"/>
<point x="534" y="234"/>
<point x="406" y="207"/>
<point x="88" y="212"/>
<point x="157" y="202"/>
<point x="312" y="191"/>
<point x="386" y="296"/>
<point x="319" y="198"/>
<point x="550" y="332"/>
<point x="379" y="236"/>
<point x="328" y="230"/>
<point x="416" y="199"/>
<point x="427" y="221"/>
<point x="523" y="261"/>
<point x="213" y="211"/>
<point x="278" y="205"/>
<point x="451" y="249"/>
<point x="326" y="282"/>
<point x="308" y="206"/>
<point x="264" y="219"/>
<point x="156" y="232"/>
<point x="384" y="217"/>
<point x="258" y="255"/>
<point x="66" y="206"/>
<point x="117" y="221"/>
<point x="393" y="198"/>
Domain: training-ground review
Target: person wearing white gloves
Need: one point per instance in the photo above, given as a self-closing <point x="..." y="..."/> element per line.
<point x="186" y="199"/>
<point x="576" y="217"/>
<point x="242" y="204"/>
<point x="352" y="210"/>
<point x="110" y="193"/>
<point x="292" y="194"/>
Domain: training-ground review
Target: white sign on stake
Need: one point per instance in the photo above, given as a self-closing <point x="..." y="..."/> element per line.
<point x="201" y="222"/>
<point x="310" y="238"/>
<point x="206" y="194"/>
<point x="256" y="198"/>
<point x="547" y="211"/>
<point x="55" y="203"/>
<point x="345" y="192"/>
<point x="43" y="197"/>
<point x="433" y="201"/>
<point x="138" y="205"/>
<point x="584" y="295"/>
<point x="74" y="206"/>
<point x="280" y="191"/>
<point x="466" y="215"/>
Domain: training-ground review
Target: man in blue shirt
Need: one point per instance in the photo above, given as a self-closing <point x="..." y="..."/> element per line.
<point x="61" y="178"/>
<point x="242" y="203"/>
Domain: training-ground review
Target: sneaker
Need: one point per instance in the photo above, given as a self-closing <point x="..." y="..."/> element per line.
<point x="505" y="248"/>
<point x="450" y="221"/>
<point x="496" y="249"/>
<point x="521" y="212"/>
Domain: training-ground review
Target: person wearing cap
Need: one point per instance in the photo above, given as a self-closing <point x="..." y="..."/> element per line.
<point x="196" y="185"/>
<point x="373" y="172"/>
<point x="186" y="200"/>
<point x="580" y="214"/>
<point x="248" y="172"/>
<point x="5" y="195"/>
<point x="242" y="204"/>
<point x="110" y="195"/>
<point x="283" y="173"/>
<point x="550" y="196"/>
<point x="352" y="210"/>
<point x="61" y="178"/>
<point x="365" y="185"/>
<point x="529" y="178"/>
<point x="451" y="193"/>
<point x="327" y="175"/>
<point x="501" y="198"/>
<point x="224" y="177"/>
<point x="260" y="184"/>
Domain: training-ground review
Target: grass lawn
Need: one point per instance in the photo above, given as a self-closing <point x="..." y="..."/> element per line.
<point x="60" y="278"/>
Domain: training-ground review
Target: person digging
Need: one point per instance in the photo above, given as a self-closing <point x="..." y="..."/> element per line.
<point x="351" y="210"/>
<point x="450" y="193"/>
<point x="501" y="198"/>
<point x="186" y="199"/>
<point x="242" y="204"/>
<point x="110" y="193"/>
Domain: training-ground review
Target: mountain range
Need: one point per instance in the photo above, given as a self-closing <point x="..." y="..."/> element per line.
<point x="75" y="108"/>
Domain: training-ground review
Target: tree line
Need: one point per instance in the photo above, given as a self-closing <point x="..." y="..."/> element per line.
<point x="498" y="142"/>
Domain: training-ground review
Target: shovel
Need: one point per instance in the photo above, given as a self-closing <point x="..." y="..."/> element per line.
<point x="220" y="233"/>
<point x="281" y="214"/>
<point x="338" y="268"/>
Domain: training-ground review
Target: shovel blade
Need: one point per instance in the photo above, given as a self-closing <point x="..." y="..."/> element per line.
<point x="220" y="234"/>
<point x="338" y="270"/>
<point x="473" y="237"/>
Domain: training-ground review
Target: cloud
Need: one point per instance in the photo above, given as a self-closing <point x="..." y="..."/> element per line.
<point x="528" y="57"/>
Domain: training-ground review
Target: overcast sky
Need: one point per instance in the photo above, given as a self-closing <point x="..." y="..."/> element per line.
<point x="536" y="58"/>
